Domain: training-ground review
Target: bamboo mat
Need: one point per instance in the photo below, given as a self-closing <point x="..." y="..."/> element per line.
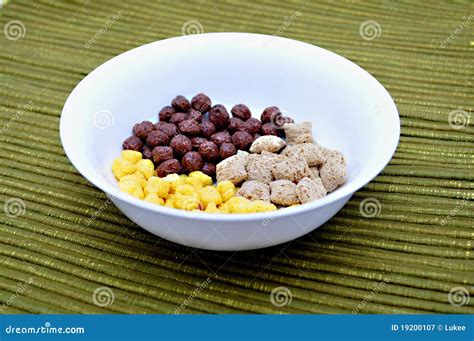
<point x="403" y="244"/>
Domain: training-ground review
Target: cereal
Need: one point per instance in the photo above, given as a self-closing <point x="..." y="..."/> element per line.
<point x="195" y="115"/>
<point x="209" y="151"/>
<point x="165" y="113"/>
<point x="181" y="103"/>
<point x="293" y="130"/>
<point x="168" y="167"/>
<point x="210" y="194"/>
<point x="304" y="138"/>
<point x="311" y="152"/>
<point x="268" y="113"/>
<point x="209" y="169"/>
<point x="201" y="103"/>
<point x="232" y="169"/>
<point x="162" y="153"/>
<point x="189" y="127"/>
<point x="122" y="167"/>
<point x="158" y="186"/>
<point x="196" y="141"/>
<point x="259" y="167"/>
<point x="313" y="173"/>
<point x="241" y="111"/>
<point x="147" y="152"/>
<point x="131" y="155"/>
<point x="227" y="150"/>
<point x="333" y="172"/>
<point x="192" y="161"/>
<point x="132" y="143"/>
<point x="169" y="129"/>
<point x="142" y="129"/>
<point x="292" y="168"/>
<point x="221" y="137"/>
<point x="308" y="190"/>
<point x="242" y="140"/>
<point x="254" y="190"/>
<point x="154" y="199"/>
<point x="269" y="143"/>
<point x="208" y="129"/>
<point x="181" y="144"/>
<point x="178" y="117"/>
<point x="235" y="124"/>
<point x="145" y="167"/>
<point x="157" y="138"/>
<point x="269" y="129"/>
<point x="219" y="116"/>
<point x="226" y="189"/>
<point x="283" y="193"/>
<point x="252" y="126"/>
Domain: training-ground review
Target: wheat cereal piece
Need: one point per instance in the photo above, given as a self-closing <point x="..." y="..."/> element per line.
<point x="293" y="130"/>
<point x="313" y="173"/>
<point x="293" y="168"/>
<point x="333" y="172"/>
<point x="308" y="190"/>
<point x="312" y="152"/>
<point x="283" y="192"/>
<point x="254" y="190"/>
<point x="233" y="169"/>
<point x="259" y="168"/>
<point x="304" y="138"/>
<point x="268" y="143"/>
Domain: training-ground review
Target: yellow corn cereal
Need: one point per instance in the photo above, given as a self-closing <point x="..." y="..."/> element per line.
<point x="157" y="186"/>
<point x="155" y="199"/>
<point x="204" y="179"/>
<point x="122" y="167"/>
<point x="146" y="167"/>
<point x="212" y="208"/>
<point x="208" y="195"/>
<point x="132" y="156"/>
<point x="186" y="202"/>
<point x="226" y="189"/>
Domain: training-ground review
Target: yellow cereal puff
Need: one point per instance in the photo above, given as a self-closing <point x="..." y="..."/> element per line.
<point x="174" y="181"/>
<point x="209" y="194"/>
<point x="146" y="167"/>
<point x="186" y="189"/>
<point x="157" y="186"/>
<point x="122" y="167"/>
<point x="263" y="206"/>
<point x="226" y="189"/>
<point x="196" y="183"/>
<point x="239" y="205"/>
<point x="136" y="177"/>
<point x="169" y="201"/>
<point x="204" y="179"/>
<point x="224" y="208"/>
<point x="132" y="156"/>
<point x="186" y="202"/>
<point x="155" y="199"/>
<point x="212" y="208"/>
<point x="132" y="187"/>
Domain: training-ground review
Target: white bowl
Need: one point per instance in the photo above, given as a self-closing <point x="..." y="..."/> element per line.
<point x="350" y="111"/>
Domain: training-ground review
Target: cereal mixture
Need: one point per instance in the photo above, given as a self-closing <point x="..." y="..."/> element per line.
<point x="260" y="165"/>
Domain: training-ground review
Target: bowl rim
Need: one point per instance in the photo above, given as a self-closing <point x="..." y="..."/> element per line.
<point x="115" y="193"/>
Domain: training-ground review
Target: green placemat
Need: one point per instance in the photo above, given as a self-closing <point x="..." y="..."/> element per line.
<point x="403" y="244"/>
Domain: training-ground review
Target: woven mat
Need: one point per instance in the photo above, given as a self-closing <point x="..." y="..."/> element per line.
<point x="403" y="244"/>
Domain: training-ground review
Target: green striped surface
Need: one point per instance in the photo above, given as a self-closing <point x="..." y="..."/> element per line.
<point x="67" y="250"/>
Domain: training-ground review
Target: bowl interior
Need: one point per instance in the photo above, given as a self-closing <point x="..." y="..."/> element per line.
<point x="349" y="109"/>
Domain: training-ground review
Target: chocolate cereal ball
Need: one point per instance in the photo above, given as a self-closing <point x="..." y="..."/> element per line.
<point x="181" y="144"/>
<point x="242" y="140"/>
<point x="227" y="150"/>
<point x="209" y="151"/>
<point x="269" y="129"/>
<point x="181" y="104"/>
<point x="167" y="128"/>
<point x="189" y="127"/>
<point x="252" y="126"/>
<point x="168" y="167"/>
<point x="195" y="115"/>
<point x="209" y="169"/>
<point x="178" y="118"/>
<point x="157" y="138"/>
<point x="165" y="113"/>
<point x="201" y="103"/>
<point x="235" y="124"/>
<point x="207" y="129"/>
<point x="162" y="153"/>
<point x="142" y="129"/>
<point x="241" y="111"/>
<point x="132" y="143"/>
<point x="196" y="141"/>
<point x="221" y="137"/>
<point x="147" y="152"/>
<point x="219" y="116"/>
<point x="268" y="113"/>
<point x="192" y="162"/>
